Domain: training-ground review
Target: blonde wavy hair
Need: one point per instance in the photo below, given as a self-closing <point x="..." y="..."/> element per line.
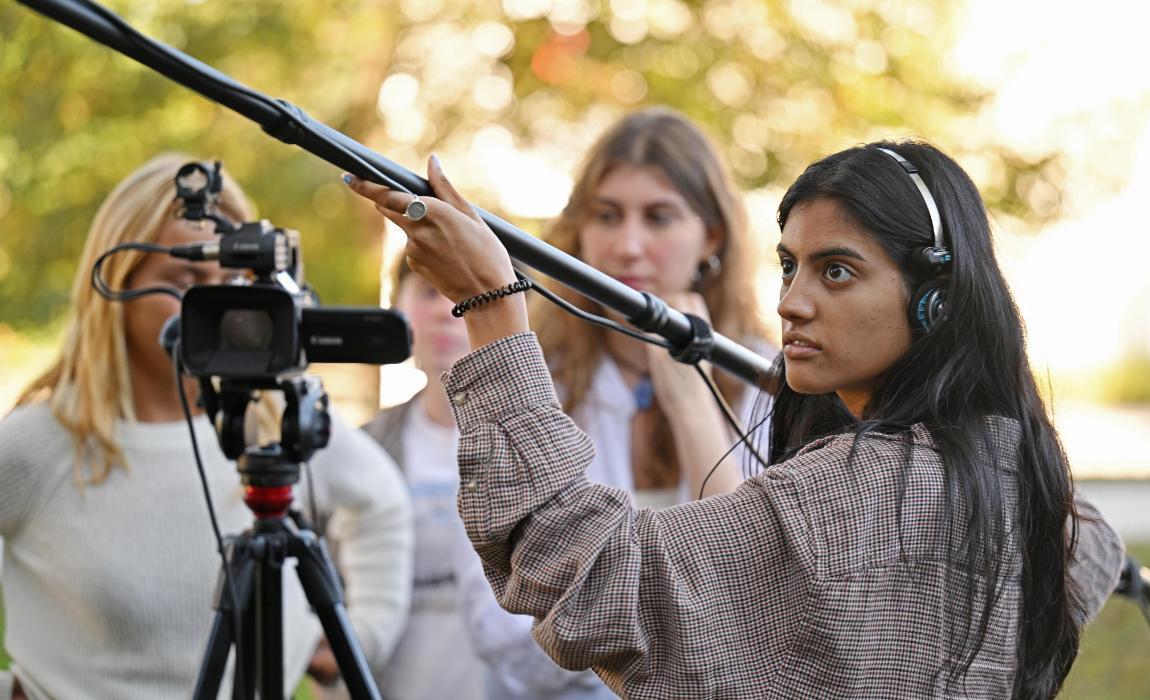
<point x="667" y="141"/>
<point x="89" y="385"/>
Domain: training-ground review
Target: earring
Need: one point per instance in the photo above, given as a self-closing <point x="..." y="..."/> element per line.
<point x="708" y="268"/>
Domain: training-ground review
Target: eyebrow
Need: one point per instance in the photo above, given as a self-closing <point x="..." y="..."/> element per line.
<point x="837" y="251"/>
<point x="600" y="199"/>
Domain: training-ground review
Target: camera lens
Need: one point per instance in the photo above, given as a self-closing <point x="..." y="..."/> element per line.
<point x="246" y="329"/>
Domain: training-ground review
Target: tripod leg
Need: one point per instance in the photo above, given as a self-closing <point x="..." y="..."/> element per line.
<point x="223" y="633"/>
<point x="321" y="585"/>
<point x="244" y="682"/>
<point x="269" y="585"/>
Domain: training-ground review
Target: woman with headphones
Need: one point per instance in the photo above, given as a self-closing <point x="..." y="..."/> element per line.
<point x="916" y="533"/>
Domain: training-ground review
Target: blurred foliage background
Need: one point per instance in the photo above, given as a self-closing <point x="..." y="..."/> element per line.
<point x="511" y="93"/>
<point x="778" y="84"/>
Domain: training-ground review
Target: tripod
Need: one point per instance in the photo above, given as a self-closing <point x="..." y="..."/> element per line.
<point x="256" y="560"/>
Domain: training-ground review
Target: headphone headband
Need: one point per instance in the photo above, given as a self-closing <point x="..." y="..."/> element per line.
<point x="928" y="302"/>
<point x="935" y="218"/>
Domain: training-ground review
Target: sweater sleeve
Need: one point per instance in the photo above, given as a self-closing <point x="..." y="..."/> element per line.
<point x="25" y="444"/>
<point x="576" y="555"/>
<point x="359" y="484"/>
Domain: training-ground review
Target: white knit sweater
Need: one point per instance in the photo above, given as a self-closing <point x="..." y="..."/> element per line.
<point x="108" y="589"/>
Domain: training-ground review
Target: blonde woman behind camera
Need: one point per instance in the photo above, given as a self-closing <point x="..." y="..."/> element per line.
<point x="109" y="559"/>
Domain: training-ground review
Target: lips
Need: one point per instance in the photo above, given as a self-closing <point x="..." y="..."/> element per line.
<point x="797" y="346"/>
<point x="633" y="282"/>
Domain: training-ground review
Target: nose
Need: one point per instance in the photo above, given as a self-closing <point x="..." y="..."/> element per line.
<point x="631" y="237"/>
<point x="795" y="302"/>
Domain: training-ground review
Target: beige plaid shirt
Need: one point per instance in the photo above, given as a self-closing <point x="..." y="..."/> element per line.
<point x="806" y="582"/>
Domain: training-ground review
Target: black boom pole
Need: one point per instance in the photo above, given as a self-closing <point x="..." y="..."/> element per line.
<point x="290" y="124"/>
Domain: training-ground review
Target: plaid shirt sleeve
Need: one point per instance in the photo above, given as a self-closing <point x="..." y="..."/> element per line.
<point x="1098" y="559"/>
<point x="654" y="600"/>
<point x="824" y="576"/>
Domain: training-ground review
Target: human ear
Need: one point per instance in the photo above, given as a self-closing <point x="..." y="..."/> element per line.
<point x="713" y="244"/>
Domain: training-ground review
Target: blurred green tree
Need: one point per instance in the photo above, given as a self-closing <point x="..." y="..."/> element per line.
<point x="778" y="83"/>
<point x="77" y="117"/>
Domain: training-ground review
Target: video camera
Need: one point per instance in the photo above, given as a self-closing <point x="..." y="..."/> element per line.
<point x="261" y="332"/>
<point x="270" y="324"/>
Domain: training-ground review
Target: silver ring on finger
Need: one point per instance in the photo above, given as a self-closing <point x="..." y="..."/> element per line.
<point x="416" y="208"/>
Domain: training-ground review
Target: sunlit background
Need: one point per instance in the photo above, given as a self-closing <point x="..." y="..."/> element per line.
<point x="1047" y="105"/>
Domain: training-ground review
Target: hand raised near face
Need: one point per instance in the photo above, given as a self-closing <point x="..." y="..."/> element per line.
<point x="678" y="385"/>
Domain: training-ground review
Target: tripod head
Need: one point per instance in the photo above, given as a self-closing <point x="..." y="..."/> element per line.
<point x="269" y="471"/>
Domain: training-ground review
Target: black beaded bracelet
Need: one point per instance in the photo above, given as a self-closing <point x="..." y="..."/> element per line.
<point x="520" y="285"/>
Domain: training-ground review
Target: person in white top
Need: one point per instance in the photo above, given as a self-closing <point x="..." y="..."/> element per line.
<point x="654" y="208"/>
<point x="434" y="657"/>
<point x="451" y="617"/>
<point x="110" y="562"/>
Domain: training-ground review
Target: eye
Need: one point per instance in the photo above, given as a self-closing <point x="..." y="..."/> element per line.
<point x="788" y="267"/>
<point x="838" y="273"/>
<point x="659" y="218"/>
<point x="605" y="216"/>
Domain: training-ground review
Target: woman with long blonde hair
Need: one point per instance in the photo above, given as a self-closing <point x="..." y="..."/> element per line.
<point x="105" y="531"/>
<point x="92" y="385"/>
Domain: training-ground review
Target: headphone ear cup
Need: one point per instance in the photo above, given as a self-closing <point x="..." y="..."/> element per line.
<point x="928" y="305"/>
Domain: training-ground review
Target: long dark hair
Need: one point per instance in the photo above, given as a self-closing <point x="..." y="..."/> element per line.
<point x="970" y="367"/>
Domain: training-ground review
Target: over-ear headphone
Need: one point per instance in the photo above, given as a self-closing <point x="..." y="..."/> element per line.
<point x="928" y="302"/>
